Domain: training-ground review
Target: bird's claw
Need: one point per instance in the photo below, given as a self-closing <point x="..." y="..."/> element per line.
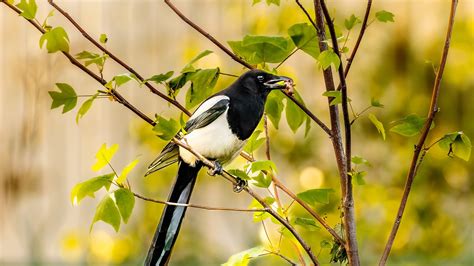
<point x="217" y="169"/>
<point x="240" y="185"/>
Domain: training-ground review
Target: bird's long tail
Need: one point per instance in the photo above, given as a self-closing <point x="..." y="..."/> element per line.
<point x="172" y="216"/>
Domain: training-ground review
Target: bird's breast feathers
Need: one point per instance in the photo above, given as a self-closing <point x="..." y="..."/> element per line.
<point x="214" y="141"/>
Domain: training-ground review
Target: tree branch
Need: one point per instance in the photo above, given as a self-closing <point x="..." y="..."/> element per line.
<point x="197" y="206"/>
<point x="118" y="60"/>
<point x="348" y="202"/>
<point x="242" y="62"/>
<point x="117" y="96"/>
<point x="208" y="36"/>
<point x="272" y="212"/>
<point x="359" y="38"/>
<point x="424" y="133"/>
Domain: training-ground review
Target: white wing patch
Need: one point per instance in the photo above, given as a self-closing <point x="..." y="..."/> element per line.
<point x="207" y="105"/>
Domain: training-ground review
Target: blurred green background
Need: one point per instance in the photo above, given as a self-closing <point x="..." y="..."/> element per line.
<point x="43" y="153"/>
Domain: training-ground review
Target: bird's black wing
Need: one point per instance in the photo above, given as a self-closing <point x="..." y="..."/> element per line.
<point x="207" y="116"/>
<point x="170" y="153"/>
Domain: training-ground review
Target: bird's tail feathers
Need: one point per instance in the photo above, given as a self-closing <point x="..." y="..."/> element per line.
<point x="172" y="216"/>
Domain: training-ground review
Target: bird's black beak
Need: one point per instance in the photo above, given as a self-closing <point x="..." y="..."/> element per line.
<point x="278" y="82"/>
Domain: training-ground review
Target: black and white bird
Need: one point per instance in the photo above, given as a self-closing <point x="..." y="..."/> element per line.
<point x="218" y="130"/>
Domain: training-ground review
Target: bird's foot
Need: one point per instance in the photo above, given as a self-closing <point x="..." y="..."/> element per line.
<point x="217" y="169"/>
<point x="240" y="185"/>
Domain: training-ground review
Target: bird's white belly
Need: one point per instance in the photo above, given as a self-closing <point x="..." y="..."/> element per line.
<point x="214" y="141"/>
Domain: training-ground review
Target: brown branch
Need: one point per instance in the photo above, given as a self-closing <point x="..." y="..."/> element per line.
<point x="117" y="96"/>
<point x="348" y="202"/>
<point x="310" y="210"/>
<point x="208" y="36"/>
<point x="118" y="60"/>
<point x="307" y="15"/>
<point x="424" y="133"/>
<point x="197" y="206"/>
<point x="242" y="62"/>
<point x="257" y="197"/>
<point x="359" y="38"/>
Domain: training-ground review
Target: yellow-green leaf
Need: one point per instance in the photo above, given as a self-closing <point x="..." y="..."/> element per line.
<point x="126" y="170"/>
<point x="89" y="187"/>
<point x="457" y="144"/>
<point x="125" y="201"/>
<point x="85" y="107"/>
<point x="313" y="196"/>
<point x="377" y="125"/>
<point x="243" y="258"/>
<point x="28" y="8"/>
<point x="104" y="156"/>
<point x="56" y="40"/>
<point x="107" y="212"/>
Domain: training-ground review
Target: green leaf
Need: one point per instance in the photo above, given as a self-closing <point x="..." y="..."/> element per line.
<point x="89" y="187"/>
<point x="104" y="156"/>
<point x="313" y="196"/>
<point x="266" y="165"/>
<point x="304" y="37"/>
<point x="275" y="2"/>
<point x="328" y="57"/>
<point x="125" y="201"/>
<point x="92" y="58"/>
<point x="336" y="95"/>
<point x="385" y="16"/>
<point x="260" y="216"/>
<point x="262" y="49"/>
<point x="351" y="22"/>
<point x="273" y="107"/>
<point x="126" y="170"/>
<point x="243" y="258"/>
<point x="294" y="115"/>
<point x="457" y="144"/>
<point x="103" y="38"/>
<point x="307" y="127"/>
<point x="409" y="126"/>
<point x="306" y="223"/>
<point x="166" y="129"/>
<point x="262" y="180"/>
<point x="203" y="82"/>
<point x="124" y="78"/>
<point x="28" y="8"/>
<point x="107" y="212"/>
<point x="85" y="107"/>
<point x="160" y="78"/>
<point x="239" y="173"/>
<point x="189" y="67"/>
<point x="256" y="2"/>
<point x="358" y="177"/>
<point x="57" y="40"/>
<point x="359" y="160"/>
<point x="254" y="142"/>
<point x="67" y="97"/>
<point x="375" y="103"/>
<point x="377" y="125"/>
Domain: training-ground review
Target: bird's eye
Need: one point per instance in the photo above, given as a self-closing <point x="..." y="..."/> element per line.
<point x="260" y="78"/>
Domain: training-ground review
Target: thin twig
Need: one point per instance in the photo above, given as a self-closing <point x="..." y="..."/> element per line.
<point x="118" y="60"/>
<point x="197" y="206"/>
<point x="348" y="202"/>
<point x="208" y="36"/>
<point x="424" y="133"/>
<point x="279" y="255"/>
<point x="257" y="197"/>
<point x="309" y="209"/>
<point x="359" y="38"/>
<point x="242" y="62"/>
<point x="307" y="15"/>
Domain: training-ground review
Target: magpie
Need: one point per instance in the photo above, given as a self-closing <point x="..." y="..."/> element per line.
<point x="218" y="130"/>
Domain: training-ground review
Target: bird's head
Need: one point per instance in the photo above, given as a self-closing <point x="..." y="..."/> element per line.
<point x="261" y="82"/>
